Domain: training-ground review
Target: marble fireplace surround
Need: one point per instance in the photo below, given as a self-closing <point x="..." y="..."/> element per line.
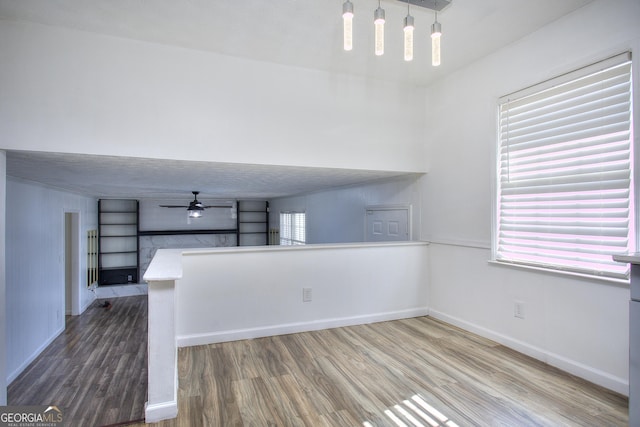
<point x="148" y="245"/>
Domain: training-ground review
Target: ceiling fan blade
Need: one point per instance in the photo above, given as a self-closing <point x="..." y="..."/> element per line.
<point x="218" y="206"/>
<point x="173" y="206"/>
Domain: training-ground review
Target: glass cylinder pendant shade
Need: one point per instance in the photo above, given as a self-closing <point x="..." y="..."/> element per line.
<point x="347" y="20"/>
<point x="436" y="32"/>
<point x="195" y="213"/>
<point x="379" y="31"/>
<point x="408" y="38"/>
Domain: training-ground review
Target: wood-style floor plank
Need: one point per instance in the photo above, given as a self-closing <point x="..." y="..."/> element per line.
<point x="413" y="372"/>
<point x="96" y="370"/>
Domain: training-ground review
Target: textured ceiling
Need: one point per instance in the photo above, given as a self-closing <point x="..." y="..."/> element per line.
<point x="126" y="177"/>
<point x="300" y="33"/>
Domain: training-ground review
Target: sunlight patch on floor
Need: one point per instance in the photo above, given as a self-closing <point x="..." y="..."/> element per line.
<point x="415" y="412"/>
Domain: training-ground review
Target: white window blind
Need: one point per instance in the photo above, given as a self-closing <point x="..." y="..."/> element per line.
<point x="292" y="228"/>
<point x="565" y="189"/>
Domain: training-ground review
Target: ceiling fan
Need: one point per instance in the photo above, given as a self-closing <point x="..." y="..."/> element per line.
<point x="196" y="207"/>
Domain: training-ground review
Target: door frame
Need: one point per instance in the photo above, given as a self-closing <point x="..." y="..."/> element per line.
<point x="75" y="243"/>
<point x="407" y="207"/>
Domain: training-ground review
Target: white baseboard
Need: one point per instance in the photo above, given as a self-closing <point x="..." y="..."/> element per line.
<point x="160" y="411"/>
<point x="118" y="291"/>
<point x="596" y="376"/>
<point x="88" y="303"/>
<point x="290" y="328"/>
<point x="13" y="375"/>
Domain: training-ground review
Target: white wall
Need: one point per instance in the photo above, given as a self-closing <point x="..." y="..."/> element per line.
<point x="578" y="324"/>
<point x="338" y="216"/>
<point x="239" y="293"/>
<point x="90" y="93"/>
<point x="35" y="276"/>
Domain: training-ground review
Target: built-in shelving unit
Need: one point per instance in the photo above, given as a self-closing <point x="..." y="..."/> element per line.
<point x="253" y="223"/>
<point x="118" y="236"/>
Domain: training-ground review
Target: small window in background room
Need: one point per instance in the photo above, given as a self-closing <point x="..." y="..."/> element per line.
<point x="565" y="172"/>
<point x="292" y="228"/>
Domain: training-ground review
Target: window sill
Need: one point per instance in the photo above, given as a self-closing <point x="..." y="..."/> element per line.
<point x="563" y="273"/>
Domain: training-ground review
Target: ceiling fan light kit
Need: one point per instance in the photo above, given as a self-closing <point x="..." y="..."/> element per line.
<point x="195" y="211"/>
<point x="196" y="208"/>
<point x="408" y="28"/>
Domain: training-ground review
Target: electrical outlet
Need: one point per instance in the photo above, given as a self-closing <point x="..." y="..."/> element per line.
<point x="306" y="294"/>
<point x="518" y="309"/>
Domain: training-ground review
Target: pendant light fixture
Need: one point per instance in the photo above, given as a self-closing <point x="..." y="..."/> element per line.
<point x="408" y="35"/>
<point x="347" y="22"/>
<point x="436" y="32"/>
<point x="378" y="22"/>
<point x="408" y="28"/>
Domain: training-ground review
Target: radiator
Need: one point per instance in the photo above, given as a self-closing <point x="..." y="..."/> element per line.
<point x="92" y="257"/>
<point x="274" y="236"/>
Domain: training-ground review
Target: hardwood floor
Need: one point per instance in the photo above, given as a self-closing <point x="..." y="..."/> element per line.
<point x="96" y="370"/>
<point x="410" y="372"/>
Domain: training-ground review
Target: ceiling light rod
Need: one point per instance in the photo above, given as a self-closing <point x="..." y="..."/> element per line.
<point x="437" y="6"/>
<point x="408" y="35"/>
<point x="378" y="22"/>
<point x="347" y="18"/>
<point x="436" y="33"/>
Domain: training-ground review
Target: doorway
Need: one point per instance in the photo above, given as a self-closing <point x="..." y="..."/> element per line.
<point x="71" y="262"/>
<point x="387" y="223"/>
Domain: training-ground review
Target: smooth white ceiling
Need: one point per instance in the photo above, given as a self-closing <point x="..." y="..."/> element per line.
<point x="300" y="33"/>
<point x="305" y="33"/>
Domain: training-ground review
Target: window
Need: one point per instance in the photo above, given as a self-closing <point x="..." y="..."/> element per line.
<point x="564" y="169"/>
<point x="292" y="228"/>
